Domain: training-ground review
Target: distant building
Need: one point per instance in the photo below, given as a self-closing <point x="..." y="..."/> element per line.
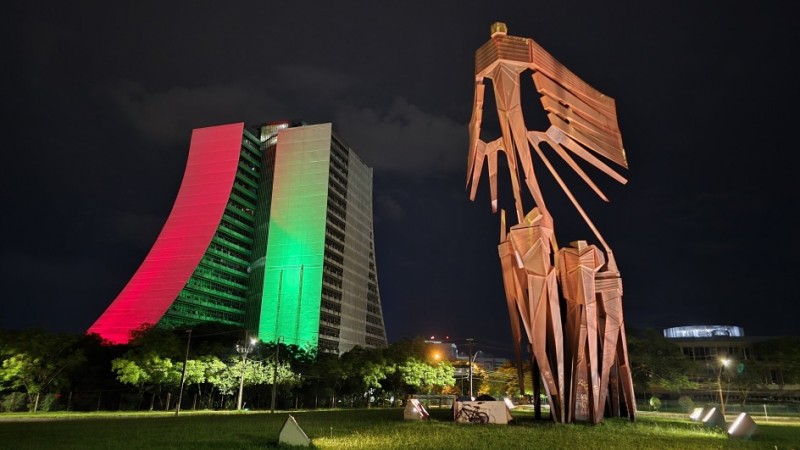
<point x="489" y="362"/>
<point x="446" y="350"/>
<point x="442" y="349"/>
<point x="271" y="231"/>
<point x="712" y="346"/>
<point x="712" y="342"/>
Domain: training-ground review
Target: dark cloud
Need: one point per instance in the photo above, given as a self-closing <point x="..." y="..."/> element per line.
<point x="167" y="115"/>
<point x="404" y="138"/>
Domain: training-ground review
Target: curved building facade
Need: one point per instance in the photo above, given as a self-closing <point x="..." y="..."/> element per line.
<point x="271" y="231"/>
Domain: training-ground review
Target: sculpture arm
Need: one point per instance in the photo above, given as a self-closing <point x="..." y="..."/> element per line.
<point x="475" y="156"/>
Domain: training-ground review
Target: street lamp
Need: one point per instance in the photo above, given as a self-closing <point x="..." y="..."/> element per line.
<point x="275" y="375"/>
<point x="183" y="372"/>
<point x="471" y="359"/>
<point x="244" y="349"/>
<point x="471" y="362"/>
<point x="724" y="363"/>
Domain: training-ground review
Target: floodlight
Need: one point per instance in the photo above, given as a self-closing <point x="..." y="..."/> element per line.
<point x="714" y="418"/>
<point x="743" y="427"/>
<point x="697" y="414"/>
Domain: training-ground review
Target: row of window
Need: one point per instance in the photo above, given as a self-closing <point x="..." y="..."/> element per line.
<point x="710" y="353"/>
<point x="330" y="318"/>
<point x="331" y="244"/>
<point x="337" y="210"/>
<point x="335" y="233"/>
<point x="332" y="281"/>
<point x="375" y="320"/>
<point x="377" y="331"/>
<point x="331" y="305"/>
<point x="209" y="286"/>
<point x="374" y="342"/>
<point x="233" y="240"/>
<point x="336" y="178"/>
<point x="235" y="230"/>
<point x="331" y="256"/>
<point x="205" y="300"/>
<point x="251" y="192"/>
<point x="219" y="275"/>
<point x="219" y="262"/>
<point x="331" y="293"/>
<point x="327" y="345"/>
<point x="228" y="251"/>
<point x="325" y="330"/>
<point x="203" y="313"/>
<point x="336" y="221"/>
<point x="332" y="269"/>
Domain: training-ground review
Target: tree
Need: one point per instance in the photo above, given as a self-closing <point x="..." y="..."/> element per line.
<point x="37" y="362"/>
<point x="365" y="372"/>
<point x="226" y="377"/>
<point x="420" y="375"/>
<point x="505" y="381"/>
<point x="745" y="377"/>
<point x="147" y="371"/>
<point x="781" y="355"/>
<point x="657" y="363"/>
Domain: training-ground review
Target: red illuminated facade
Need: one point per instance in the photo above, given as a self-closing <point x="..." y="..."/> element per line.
<point x="201" y="201"/>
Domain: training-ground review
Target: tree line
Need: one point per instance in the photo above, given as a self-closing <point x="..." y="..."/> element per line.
<point x="54" y="371"/>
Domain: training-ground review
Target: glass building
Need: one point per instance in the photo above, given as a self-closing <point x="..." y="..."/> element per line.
<point x="271" y="231"/>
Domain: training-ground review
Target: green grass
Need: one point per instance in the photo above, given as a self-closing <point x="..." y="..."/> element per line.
<point x="381" y="429"/>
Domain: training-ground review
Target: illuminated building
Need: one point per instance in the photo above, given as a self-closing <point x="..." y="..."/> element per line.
<point x="271" y="231"/>
<point x="725" y="351"/>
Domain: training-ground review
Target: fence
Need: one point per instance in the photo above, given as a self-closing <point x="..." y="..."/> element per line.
<point x="760" y="409"/>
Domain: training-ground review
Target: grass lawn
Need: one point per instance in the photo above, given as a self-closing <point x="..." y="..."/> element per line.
<point x="381" y="429"/>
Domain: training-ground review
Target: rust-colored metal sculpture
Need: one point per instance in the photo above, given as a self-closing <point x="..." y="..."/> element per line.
<point x="583" y="358"/>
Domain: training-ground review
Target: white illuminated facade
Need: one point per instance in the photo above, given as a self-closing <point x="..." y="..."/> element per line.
<point x="703" y="331"/>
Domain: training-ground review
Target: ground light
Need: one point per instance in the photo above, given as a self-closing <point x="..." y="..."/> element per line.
<point x="292" y="435"/>
<point x="714" y="418"/>
<point x="697" y="414"/>
<point x="743" y="427"/>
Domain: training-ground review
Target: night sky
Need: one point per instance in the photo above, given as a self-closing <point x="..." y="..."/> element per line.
<point x="99" y="100"/>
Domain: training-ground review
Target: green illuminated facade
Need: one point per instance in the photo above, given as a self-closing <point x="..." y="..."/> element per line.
<point x="293" y="257"/>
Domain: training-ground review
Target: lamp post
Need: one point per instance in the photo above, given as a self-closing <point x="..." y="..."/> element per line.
<point x="471" y="359"/>
<point x="183" y="372"/>
<point x="724" y="363"/>
<point x="244" y="349"/>
<point x="275" y="376"/>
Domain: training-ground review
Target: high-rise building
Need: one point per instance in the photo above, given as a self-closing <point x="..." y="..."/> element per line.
<point x="271" y="231"/>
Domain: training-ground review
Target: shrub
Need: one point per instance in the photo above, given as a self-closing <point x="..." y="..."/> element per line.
<point x="15" y="401"/>
<point x="655" y="403"/>
<point x="50" y="402"/>
<point x="686" y="403"/>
